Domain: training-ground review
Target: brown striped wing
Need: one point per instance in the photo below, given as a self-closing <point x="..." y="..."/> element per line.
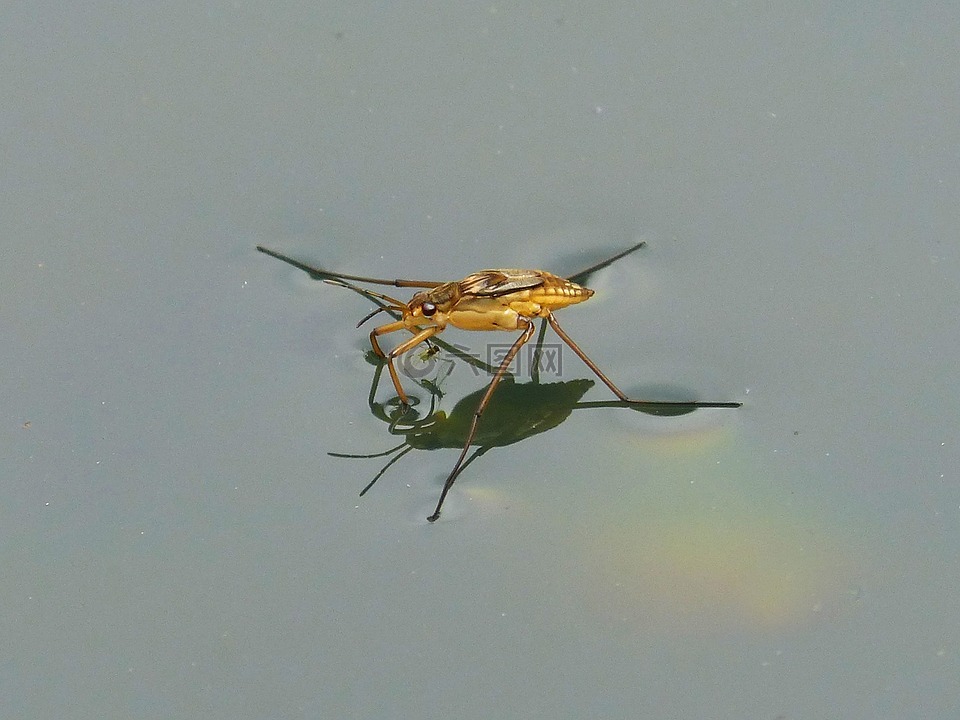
<point x="493" y="283"/>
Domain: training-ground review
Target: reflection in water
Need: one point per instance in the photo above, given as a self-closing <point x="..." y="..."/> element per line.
<point x="516" y="412"/>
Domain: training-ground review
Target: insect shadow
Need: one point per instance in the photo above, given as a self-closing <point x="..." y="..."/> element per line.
<point x="516" y="412"/>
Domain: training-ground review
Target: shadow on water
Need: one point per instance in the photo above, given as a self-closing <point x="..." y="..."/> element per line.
<point x="517" y="411"/>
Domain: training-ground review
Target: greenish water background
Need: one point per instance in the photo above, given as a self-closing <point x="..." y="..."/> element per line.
<point x="176" y="541"/>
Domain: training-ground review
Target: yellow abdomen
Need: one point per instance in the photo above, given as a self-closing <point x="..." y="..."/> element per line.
<point x="555" y="293"/>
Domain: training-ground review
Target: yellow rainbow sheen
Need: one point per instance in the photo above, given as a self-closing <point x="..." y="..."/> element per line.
<point x="700" y="531"/>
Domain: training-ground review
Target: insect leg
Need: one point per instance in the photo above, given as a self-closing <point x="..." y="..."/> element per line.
<point x="418" y="338"/>
<point x="528" y="328"/>
<point x="581" y="277"/>
<point x="537" y="354"/>
<point x="321" y="274"/>
<point x="617" y="391"/>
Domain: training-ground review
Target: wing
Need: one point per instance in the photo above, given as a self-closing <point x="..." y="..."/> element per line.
<point x="493" y="283"/>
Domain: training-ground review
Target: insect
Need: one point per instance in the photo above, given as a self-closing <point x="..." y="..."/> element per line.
<point x="503" y="299"/>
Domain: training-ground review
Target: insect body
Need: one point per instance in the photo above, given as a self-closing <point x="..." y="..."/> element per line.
<point x="486" y="300"/>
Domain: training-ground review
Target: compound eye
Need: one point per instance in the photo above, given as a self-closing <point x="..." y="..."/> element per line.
<point x="428" y="309"/>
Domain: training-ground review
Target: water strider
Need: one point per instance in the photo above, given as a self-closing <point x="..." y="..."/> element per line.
<point x="503" y="299"/>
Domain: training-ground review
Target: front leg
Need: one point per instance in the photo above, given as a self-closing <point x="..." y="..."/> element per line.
<point x="418" y="337"/>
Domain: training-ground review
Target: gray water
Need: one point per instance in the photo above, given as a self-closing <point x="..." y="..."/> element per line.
<point x="176" y="542"/>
